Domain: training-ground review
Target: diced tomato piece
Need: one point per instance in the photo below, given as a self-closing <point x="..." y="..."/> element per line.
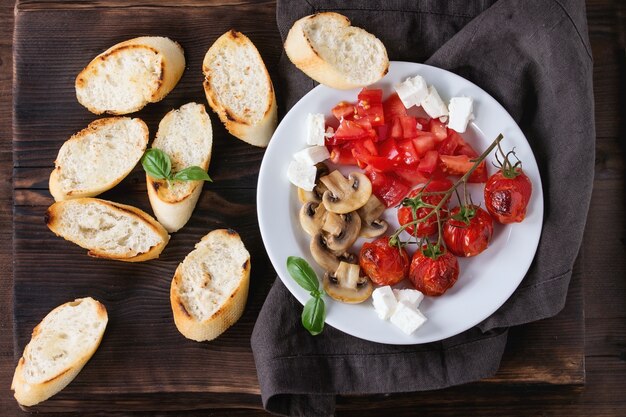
<point x="424" y="144"/>
<point x="381" y="133"/>
<point x="369" y="145"/>
<point x="349" y="130"/>
<point x="448" y="146"/>
<point x="460" y="164"/>
<point x="424" y="123"/>
<point x="396" y="129"/>
<point x="409" y="127"/>
<point x="342" y="155"/>
<point x="463" y="148"/>
<point x="388" y="187"/>
<point x="411" y="174"/>
<point x="439" y="129"/>
<point x="370" y="106"/>
<point x="407" y="151"/>
<point x="378" y="163"/>
<point x="344" y="110"/>
<point x="428" y="164"/>
<point x="393" y="107"/>
<point x="388" y="149"/>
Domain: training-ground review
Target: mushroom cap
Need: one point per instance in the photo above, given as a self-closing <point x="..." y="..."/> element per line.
<point x="325" y="257"/>
<point x="312" y="217"/>
<point x="345" y="194"/>
<point x="342" y="229"/>
<point x="371" y="224"/>
<point x="374" y="229"/>
<point x="347" y="284"/>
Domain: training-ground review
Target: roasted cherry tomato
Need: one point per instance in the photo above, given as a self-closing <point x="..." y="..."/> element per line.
<point x="433" y="272"/>
<point x="468" y="230"/>
<point x="428" y="227"/>
<point x="507" y="195"/>
<point x="384" y="264"/>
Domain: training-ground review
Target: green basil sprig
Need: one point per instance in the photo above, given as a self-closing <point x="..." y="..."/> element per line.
<point x="314" y="312"/>
<point x="159" y="166"/>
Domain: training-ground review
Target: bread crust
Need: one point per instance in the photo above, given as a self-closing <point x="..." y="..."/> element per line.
<point x="172" y="68"/>
<point x="54" y="183"/>
<point x="28" y="394"/>
<point x="226" y="315"/>
<point x="154" y="252"/>
<point x="257" y="134"/>
<point x="303" y="55"/>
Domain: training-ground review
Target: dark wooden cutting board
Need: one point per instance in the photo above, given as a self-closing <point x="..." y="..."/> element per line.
<point x="143" y="362"/>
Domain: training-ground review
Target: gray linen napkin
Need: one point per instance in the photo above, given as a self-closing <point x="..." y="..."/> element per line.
<point x="534" y="57"/>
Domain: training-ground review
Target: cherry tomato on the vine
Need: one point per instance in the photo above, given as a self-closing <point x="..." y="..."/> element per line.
<point x="507" y="196"/>
<point x="468" y="230"/>
<point x="433" y="272"/>
<point x="384" y="264"/>
<point x="429" y="226"/>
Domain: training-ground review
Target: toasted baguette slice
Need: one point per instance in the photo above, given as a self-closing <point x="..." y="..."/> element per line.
<point x="59" y="348"/>
<point x="108" y="230"/>
<point x="239" y="89"/>
<point x="210" y="286"/>
<point x="98" y="157"/>
<point x="131" y="74"/>
<point x="187" y="137"/>
<point x="332" y="52"/>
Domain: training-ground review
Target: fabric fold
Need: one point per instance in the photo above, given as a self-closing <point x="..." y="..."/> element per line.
<point x="534" y="58"/>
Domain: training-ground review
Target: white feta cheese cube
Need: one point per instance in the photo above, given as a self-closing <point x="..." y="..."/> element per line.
<point x="384" y="302"/>
<point x="460" y="113"/>
<point x="409" y="296"/>
<point x="312" y="155"/>
<point x="302" y="175"/>
<point x="412" y="91"/>
<point x="433" y="105"/>
<point x="315" y="128"/>
<point x="406" y="318"/>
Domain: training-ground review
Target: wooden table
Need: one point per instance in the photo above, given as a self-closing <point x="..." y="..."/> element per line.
<point x="543" y="370"/>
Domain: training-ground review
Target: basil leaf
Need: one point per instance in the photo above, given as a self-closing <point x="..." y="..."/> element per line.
<point x="193" y="173"/>
<point x="302" y="273"/>
<point x="157" y="164"/>
<point x="313" y="315"/>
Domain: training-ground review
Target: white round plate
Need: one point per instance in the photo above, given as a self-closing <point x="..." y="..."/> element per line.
<point x="485" y="281"/>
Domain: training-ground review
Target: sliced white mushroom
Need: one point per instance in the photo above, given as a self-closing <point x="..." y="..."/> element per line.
<point x="319" y="189"/>
<point x="342" y="230"/>
<point x="325" y="257"/>
<point x="345" y="194"/>
<point x="312" y="217"/>
<point x="371" y="223"/>
<point x="347" y="284"/>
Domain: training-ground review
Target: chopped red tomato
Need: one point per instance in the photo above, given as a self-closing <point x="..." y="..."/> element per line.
<point x="350" y="130"/>
<point x="439" y="129"/>
<point x="344" y="110"/>
<point x="341" y="155"/>
<point x="424" y="143"/>
<point x="428" y="164"/>
<point x="460" y="164"/>
<point x="409" y="127"/>
<point x="388" y="187"/>
<point x="393" y="107"/>
<point x="388" y="149"/>
<point x="407" y="151"/>
<point x="370" y="106"/>
<point x="411" y="174"/>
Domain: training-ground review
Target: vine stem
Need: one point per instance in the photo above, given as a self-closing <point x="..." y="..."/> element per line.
<point x="448" y="194"/>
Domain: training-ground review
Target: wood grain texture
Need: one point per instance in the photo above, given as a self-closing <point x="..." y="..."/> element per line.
<point x="541" y="349"/>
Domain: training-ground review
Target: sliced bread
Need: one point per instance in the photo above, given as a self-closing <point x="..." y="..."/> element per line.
<point x="108" y="230"/>
<point x="130" y="74"/>
<point x="332" y="52"/>
<point x="59" y="348"/>
<point x="239" y="89"/>
<point x="98" y="157"/>
<point x="186" y="136"/>
<point x="210" y="287"/>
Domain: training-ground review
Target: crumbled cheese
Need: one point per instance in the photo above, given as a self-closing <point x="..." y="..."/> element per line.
<point x="406" y="318"/>
<point x="460" y="113"/>
<point x="412" y="91"/>
<point x="384" y="302"/>
<point x="433" y="105"/>
<point x="409" y="296"/>
<point x="312" y="155"/>
<point x="302" y="175"/>
<point x="315" y="126"/>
